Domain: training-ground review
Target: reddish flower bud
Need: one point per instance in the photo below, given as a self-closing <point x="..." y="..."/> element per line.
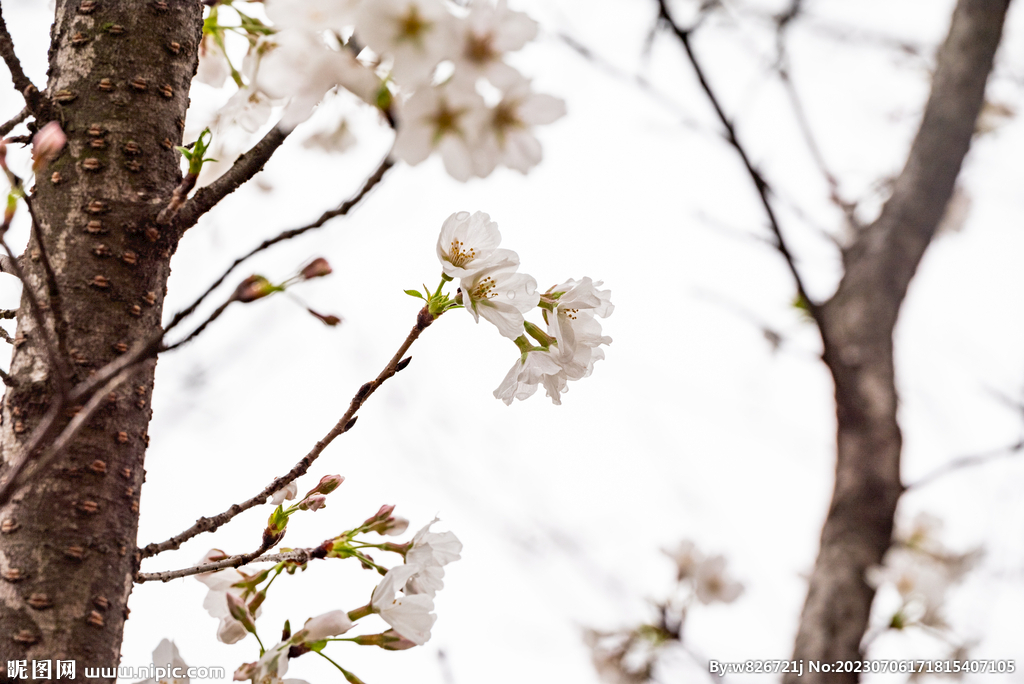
<point x="47" y="144"/>
<point x="313" y="503"/>
<point x="328" y="483"/>
<point x="252" y="288"/>
<point x="328" y="319"/>
<point x="240" y="612"/>
<point x="316" y="268"/>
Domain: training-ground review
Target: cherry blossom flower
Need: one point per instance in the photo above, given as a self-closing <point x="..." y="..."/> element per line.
<point x="577" y="333"/>
<point x="320" y="627"/>
<point x="416" y="33"/>
<point x="466" y="243"/>
<point x="299" y="66"/>
<point x="447" y="119"/>
<point x="270" y="668"/>
<point x="687" y="559"/>
<point x="220" y="584"/>
<point x="214" y="68"/>
<point x="500" y="294"/>
<point x="312" y="15"/>
<point x="431" y="551"/>
<point x="289" y="492"/>
<point x="711" y="583"/>
<point x="439" y="548"/>
<point x="487" y="33"/>
<point x="506" y="137"/>
<point x="410" y="616"/>
<point x="527" y="373"/>
<point x="166" y="653"/>
<point x="337" y="140"/>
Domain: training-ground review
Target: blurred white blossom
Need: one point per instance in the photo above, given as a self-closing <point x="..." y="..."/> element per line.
<point x="409" y="615"/>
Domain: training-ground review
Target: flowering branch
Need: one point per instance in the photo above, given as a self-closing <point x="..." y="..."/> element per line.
<point x="243" y="170"/>
<point x="730" y="134"/>
<point x="231" y="562"/>
<point x="398" y="362"/>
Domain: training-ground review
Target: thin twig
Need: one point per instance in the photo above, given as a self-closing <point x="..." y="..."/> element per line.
<point x="423" y="319"/>
<point x="634" y="79"/>
<point x="33" y="99"/>
<point x="53" y="290"/>
<point x="341" y="210"/>
<point x="759" y="182"/>
<point x="59" y="372"/>
<point x="783" y="22"/>
<point x="244" y="168"/>
<point x="232" y="562"/>
<point x="299" y="556"/>
<point x="967" y="462"/>
<point x="4" y="375"/>
<point x="201" y="327"/>
<point x="18" y="118"/>
<point x="78" y="422"/>
<point x="39" y="435"/>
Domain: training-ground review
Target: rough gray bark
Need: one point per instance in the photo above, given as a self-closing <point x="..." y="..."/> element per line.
<point x="119" y="79"/>
<point x="857" y="325"/>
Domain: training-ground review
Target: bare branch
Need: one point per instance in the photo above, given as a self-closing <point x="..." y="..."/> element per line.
<point x="244" y="168"/>
<point x="969" y="462"/>
<point x="634" y="79"/>
<point x="347" y="421"/>
<point x="730" y="134"/>
<point x="43" y="430"/>
<point x="232" y="562"/>
<point x="18" y="118"/>
<point x="300" y="556"/>
<point x="34" y="100"/>
<point x="56" y="361"/>
<point x="342" y="210"/>
<point x="53" y="290"/>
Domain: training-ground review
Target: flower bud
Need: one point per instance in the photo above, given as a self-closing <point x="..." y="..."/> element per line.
<point x="327" y="625"/>
<point x="313" y="503"/>
<point x="382" y="522"/>
<point x="389" y="641"/>
<point x="289" y="492"/>
<point x="240" y="612"/>
<point x="252" y="288"/>
<point x="316" y="268"/>
<point x="383" y="513"/>
<point x="393" y="641"/>
<point x="329" y="320"/>
<point x="245" y="672"/>
<point x="328" y="483"/>
<point x="47" y="144"/>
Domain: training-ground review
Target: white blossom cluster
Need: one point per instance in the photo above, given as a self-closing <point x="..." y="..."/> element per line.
<point x="439" y="70"/>
<point x="921" y="570"/>
<point x="493" y="289"/>
<point x="404" y="599"/>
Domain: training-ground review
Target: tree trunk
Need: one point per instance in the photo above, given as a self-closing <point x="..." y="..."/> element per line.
<point x="857" y="325"/>
<point x="119" y="76"/>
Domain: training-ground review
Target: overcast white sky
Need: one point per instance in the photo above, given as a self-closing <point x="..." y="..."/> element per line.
<point x="693" y="428"/>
